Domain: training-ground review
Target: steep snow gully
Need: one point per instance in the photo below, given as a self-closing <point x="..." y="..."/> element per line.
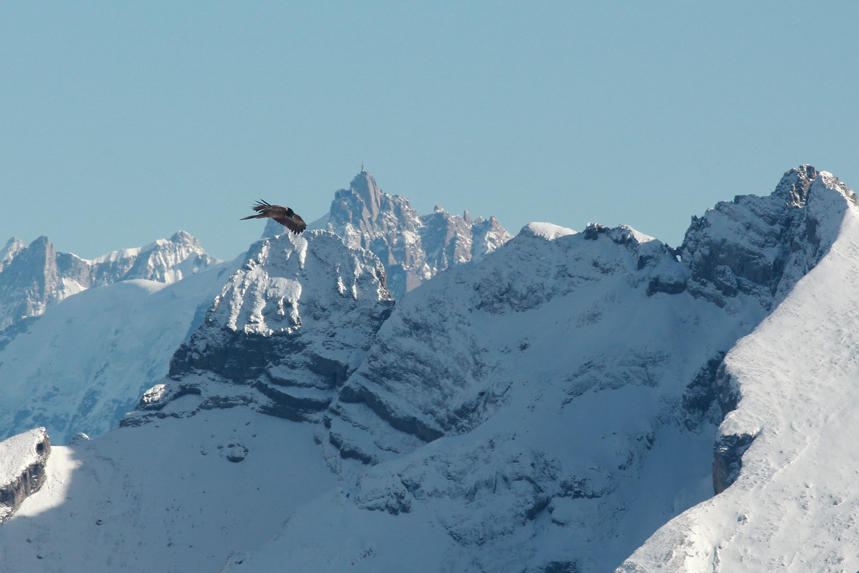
<point x="557" y="404"/>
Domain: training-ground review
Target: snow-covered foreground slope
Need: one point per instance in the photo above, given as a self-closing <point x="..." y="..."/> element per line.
<point x="85" y="363"/>
<point x="794" y="504"/>
<point x="165" y="497"/>
<point x="545" y="409"/>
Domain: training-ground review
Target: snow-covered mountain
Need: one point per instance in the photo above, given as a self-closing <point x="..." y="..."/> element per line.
<point x="80" y="366"/>
<point x="97" y="355"/>
<point x="85" y="363"/>
<point x="785" y="458"/>
<point x="413" y="248"/>
<point x="282" y="336"/>
<point x="546" y="408"/>
<point x="35" y="277"/>
<point x="562" y="387"/>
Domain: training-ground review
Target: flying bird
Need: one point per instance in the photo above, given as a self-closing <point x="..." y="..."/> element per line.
<point x="283" y="215"/>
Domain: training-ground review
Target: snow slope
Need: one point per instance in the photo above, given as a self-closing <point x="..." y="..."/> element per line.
<point x="793" y="504"/>
<point x="84" y="363"/>
<point x="165" y="497"/>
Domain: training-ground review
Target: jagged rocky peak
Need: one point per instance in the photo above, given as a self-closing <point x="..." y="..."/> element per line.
<point x="794" y="184"/>
<point x="364" y="185"/>
<point x="763" y="245"/>
<point x="413" y="247"/>
<point x="31" y="280"/>
<point x="363" y="213"/>
<point x="285" y="332"/>
<point x="165" y="260"/>
<point x="22" y="468"/>
<point x="36" y="276"/>
<point x="10" y="250"/>
<point x="264" y="296"/>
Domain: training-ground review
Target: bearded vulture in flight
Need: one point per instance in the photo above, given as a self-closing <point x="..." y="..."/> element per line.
<point x="283" y="215"/>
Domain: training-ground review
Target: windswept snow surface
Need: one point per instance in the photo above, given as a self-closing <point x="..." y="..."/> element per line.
<point x="548" y="231"/>
<point x="794" y="504"/>
<point x="85" y="363"/>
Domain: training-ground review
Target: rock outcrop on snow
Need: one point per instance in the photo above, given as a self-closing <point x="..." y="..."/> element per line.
<point x="22" y="468"/>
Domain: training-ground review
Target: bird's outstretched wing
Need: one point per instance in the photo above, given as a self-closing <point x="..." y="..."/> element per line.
<point x="283" y="215"/>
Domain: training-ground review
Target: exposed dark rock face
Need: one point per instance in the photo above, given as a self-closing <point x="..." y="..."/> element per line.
<point x="561" y="567"/>
<point x="760" y="245"/>
<point x="711" y="396"/>
<point x="702" y="397"/>
<point x="22" y="468"/>
<point x="728" y="459"/>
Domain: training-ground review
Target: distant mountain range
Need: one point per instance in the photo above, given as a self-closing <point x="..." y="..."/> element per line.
<point x="97" y="355"/>
<point x="394" y="392"/>
<point x="36" y="277"/>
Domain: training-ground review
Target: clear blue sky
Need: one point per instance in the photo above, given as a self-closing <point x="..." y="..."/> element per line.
<point x="122" y="122"/>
